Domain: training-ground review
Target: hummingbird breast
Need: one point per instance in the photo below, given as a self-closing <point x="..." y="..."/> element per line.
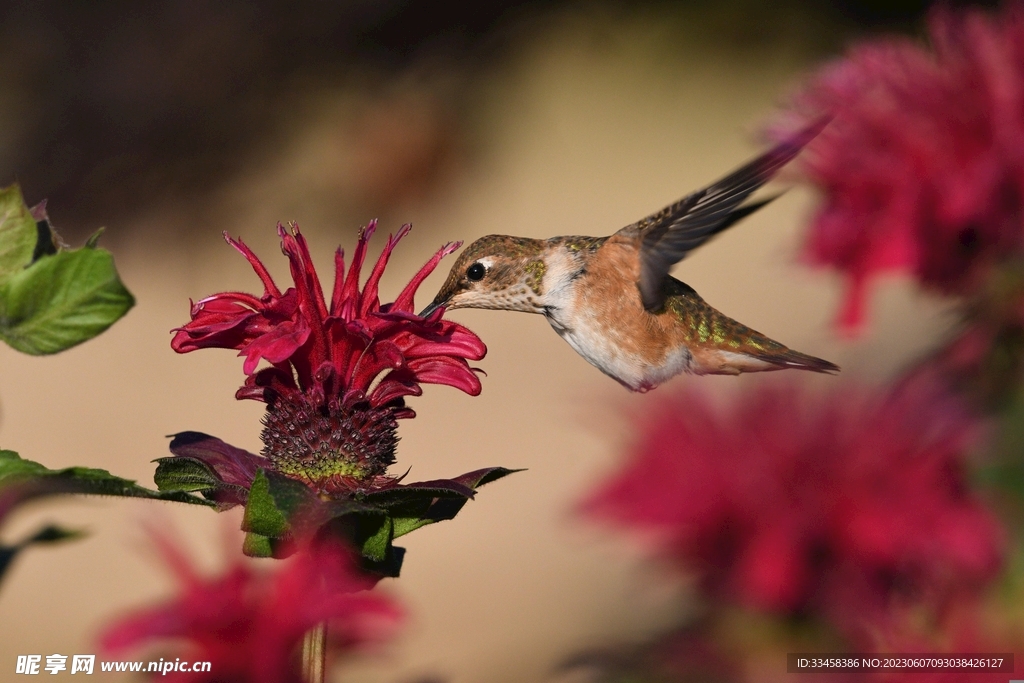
<point x="593" y="302"/>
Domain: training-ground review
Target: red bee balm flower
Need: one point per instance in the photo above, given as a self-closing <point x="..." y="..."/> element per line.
<point x="922" y="167"/>
<point x="335" y="382"/>
<point x="792" y="503"/>
<point x="248" y="624"/>
<point x="324" y="423"/>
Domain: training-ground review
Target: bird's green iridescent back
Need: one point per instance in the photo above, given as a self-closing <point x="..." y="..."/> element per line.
<point x="706" y="326"/>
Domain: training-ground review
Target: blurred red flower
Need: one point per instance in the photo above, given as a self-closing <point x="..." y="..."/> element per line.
<point x="790" y="502"/>
<point x="922" y="167"/>
<point x="248" y="624"/>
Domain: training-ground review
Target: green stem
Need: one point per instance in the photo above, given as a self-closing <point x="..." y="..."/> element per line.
<point x="314" y="653"/>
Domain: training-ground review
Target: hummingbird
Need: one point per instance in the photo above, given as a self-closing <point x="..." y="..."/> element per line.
<point x="612" y="298"/>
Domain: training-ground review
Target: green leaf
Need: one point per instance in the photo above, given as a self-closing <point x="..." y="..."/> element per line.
<point x="262" y="516"/>
<point x="181" y="473"/>
<point x="278" y="504"/>
<point x="281" y="511"/>
<point x="46" y="535"/>
<point x="403" y="525"/>
<point x="22" y="479"/>
<point x="417" y="505"/>
<point x="375" y="519"/>
<point x="403" y="496"/>
<point x="478" y="478"/>
<point x="256" y="545"/>
<point x="61" y="300"/>
<point x="54" y="534"/>
<point x="18" y="232"/>
<point x="439" y="510"/>
<point x="185" y="474"/>
<point x="390" y="566"/>
<point x="378" y="531"/>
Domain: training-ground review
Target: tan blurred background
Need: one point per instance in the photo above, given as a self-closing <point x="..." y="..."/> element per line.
<point x="530" y="120"/>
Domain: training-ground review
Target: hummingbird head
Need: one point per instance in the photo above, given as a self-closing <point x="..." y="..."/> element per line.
<point x="496" y="271"/>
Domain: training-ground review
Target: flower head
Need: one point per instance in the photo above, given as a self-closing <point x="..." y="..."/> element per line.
<point x="326" y="419"/>
<point x="248" y="623"/>
<point x="336" y="376"/>
<point x="788" y="502"/>
<point x="922" y="167"/>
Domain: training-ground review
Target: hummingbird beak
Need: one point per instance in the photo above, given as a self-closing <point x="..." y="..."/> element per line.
<point x="443" y="298"/>
<point x="431" y="307"/>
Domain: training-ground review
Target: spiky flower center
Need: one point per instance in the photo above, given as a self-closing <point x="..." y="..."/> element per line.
<point x="329" y="448"/>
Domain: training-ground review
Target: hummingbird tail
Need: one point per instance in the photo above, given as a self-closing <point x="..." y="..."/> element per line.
<point x="719" y="345"/>
<point x="762" y="355"/>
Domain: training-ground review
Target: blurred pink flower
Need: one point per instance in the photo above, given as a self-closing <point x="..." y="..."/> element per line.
<point x="922" y="167"/>
<point x="249" y="624"/>
<point x="791" y="502"/>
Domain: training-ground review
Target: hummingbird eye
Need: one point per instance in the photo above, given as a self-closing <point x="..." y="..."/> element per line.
<point x="476" y="272"/>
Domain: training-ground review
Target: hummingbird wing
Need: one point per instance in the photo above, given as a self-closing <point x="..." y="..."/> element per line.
<point x="668" y="236"/>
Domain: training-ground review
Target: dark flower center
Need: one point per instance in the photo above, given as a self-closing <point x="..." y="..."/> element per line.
<point x="327" y="447"/>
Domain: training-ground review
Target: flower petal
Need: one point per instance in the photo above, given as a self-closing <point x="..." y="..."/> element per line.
<point x="298" y="334"/>
<point x="404" y="302"/>
<point x="277" y="345"/>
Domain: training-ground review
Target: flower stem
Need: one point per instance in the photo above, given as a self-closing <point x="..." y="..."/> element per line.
<point x="314" y="653"/>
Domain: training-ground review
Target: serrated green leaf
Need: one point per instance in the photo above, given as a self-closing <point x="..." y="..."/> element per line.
<point x="181" y="473"/>
<point x="22" y="479"/>
<point x="18" y="232"/>
<point x="184" y="474"/>
<point x="61" y="300"/>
